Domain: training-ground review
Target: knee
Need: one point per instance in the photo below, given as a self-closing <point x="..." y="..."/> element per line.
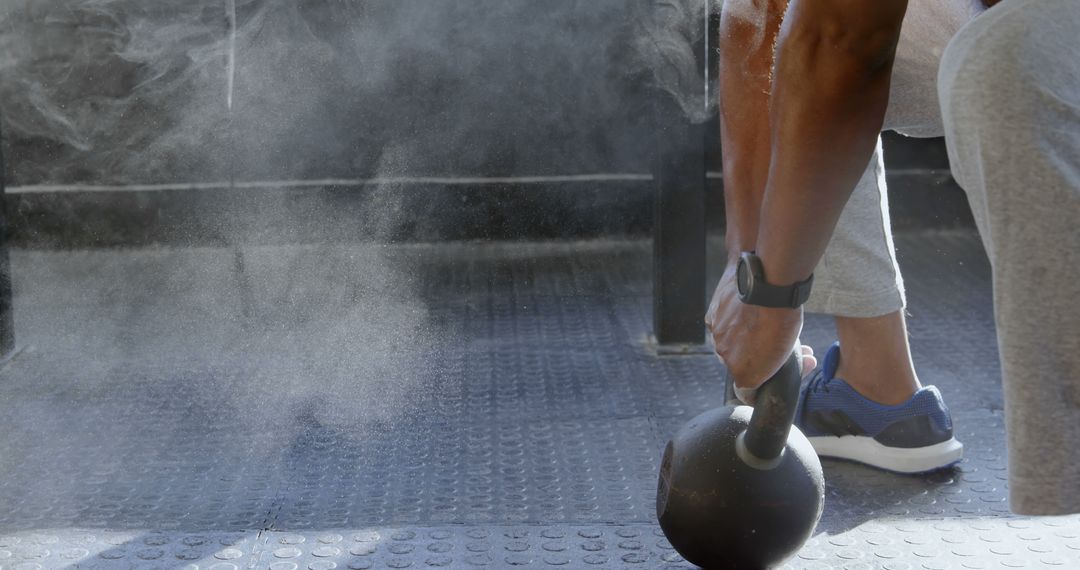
<point x="973" y="66"/>
<point x="996" y="64"/>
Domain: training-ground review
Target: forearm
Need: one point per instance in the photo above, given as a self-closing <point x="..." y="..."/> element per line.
<point x="748" y="30"/>
<point x="830" y="91"/>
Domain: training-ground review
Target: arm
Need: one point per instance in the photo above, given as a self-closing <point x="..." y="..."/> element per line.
<point x="833" y="68"/>
<point x="747" y="37"/>
<point x="827" y="104"/>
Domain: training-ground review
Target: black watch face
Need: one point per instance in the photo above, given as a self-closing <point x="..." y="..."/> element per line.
<point x="744" y="277"/>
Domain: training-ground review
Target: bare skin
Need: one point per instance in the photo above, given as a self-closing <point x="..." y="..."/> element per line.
<point x="746" y="48"/>
<point x="794" y="147"/>
<point x="877" y="358"/>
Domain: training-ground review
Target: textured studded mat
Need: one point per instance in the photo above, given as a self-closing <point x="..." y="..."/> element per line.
<point x="455" y="406"/>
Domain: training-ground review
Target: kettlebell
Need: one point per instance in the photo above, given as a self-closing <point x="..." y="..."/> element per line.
<point x="741" y="487"/>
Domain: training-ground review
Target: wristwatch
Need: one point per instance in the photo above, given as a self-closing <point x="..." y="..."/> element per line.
<point x="755" y="290"/>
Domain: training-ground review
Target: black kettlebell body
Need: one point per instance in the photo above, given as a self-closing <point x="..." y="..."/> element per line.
<point x="739" y="486"/>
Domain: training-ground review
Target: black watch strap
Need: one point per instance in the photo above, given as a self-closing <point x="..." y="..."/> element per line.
<point x="789" y="297"/>
<point x="755" y="290"/>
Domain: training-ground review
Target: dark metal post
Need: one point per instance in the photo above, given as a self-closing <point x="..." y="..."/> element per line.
<point x="679" y="289"/>
<point x="679" y="231"/>
<point x="7" y="313"/>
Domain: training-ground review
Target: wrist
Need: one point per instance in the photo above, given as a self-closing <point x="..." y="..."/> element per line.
<point x="756" y="286"/>
<point x="739" y="236"/>
<point x="781" y="270"/>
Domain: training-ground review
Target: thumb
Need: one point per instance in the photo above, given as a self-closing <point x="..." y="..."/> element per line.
<point x="807" y="361"/>
<point x="747" y="396"/>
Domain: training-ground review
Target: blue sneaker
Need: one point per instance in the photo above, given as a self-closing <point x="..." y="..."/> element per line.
<point x="912" y="437"/>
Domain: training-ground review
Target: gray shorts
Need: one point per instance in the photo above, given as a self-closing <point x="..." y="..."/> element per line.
<point x="858" y="275"/>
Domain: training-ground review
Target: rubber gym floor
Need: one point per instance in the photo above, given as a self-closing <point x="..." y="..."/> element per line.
<point x="453" y="405"/>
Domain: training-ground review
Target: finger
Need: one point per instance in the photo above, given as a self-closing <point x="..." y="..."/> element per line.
<point x="746" y="395"/>
<point x="807" y="361"/>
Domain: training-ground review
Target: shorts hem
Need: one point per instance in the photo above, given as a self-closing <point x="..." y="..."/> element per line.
<point x="864" y="306"/>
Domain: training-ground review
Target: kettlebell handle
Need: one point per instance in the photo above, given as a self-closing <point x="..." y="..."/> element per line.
<point x="774" y="412"/>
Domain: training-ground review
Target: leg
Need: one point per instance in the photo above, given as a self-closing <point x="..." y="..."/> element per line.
<point x="859" y="282"/>
<point x="877" y="357"/>
<point x="1010" y="95"/>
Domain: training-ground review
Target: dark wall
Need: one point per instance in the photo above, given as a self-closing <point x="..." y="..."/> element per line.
<point x="115" y="92"/>
<point x="120" y="91"/>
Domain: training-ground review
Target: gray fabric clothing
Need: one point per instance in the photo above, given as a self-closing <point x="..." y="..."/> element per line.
<point x="1009" y="88"/>
<point x="858" y="275"/>
<point x="1010" y="93"/>
<point x="929" y="25"/>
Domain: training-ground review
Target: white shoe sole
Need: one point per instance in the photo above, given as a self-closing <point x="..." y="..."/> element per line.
<point x="866" y="450"/>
